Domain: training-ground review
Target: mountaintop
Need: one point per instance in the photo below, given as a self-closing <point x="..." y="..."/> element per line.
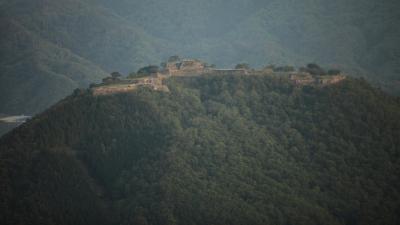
<point x="50" y="47"/>
<point x="154" y="77"/>
<point x="185" y="142"/>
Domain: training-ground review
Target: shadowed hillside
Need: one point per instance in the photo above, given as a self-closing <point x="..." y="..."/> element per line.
<point x="213" y="150"/>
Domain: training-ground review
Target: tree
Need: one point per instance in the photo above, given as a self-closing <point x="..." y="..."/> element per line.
<point x="140" y="220"/>
<point x="313" y="66"/>
<point x="244" y="66"/>
<point x="80" y="92"/>
<point x="284" y="69"/>
<point x="152" y="69"/>
<point x="116" y="75"/>
<point x="315" y="69"/>
<point x="269" y="67"/>
<point x="334" y="72"/>
<point x="108" y="80"/>
<point x="303" y="70"/>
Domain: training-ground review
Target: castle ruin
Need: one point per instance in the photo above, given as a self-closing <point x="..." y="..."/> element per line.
<point x="302" y="79"/>
<point x="194" y="67"/>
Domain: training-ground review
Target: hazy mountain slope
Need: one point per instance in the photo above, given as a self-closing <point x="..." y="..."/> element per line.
<point x="51" y="47"/>
<point x="350" y="34"/>
<point x="188" y="21"/>
<point x="208" y="29"/>
<point x="88" y="30"/>
<point x="353" y="35"/>
<point x="215" y="150"/>
<point x="36" y="73"/>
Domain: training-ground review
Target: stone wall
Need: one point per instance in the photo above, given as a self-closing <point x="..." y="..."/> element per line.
<point x="308" y="79"/>
<point x="233" y="72"/>
<point x="328" y="80"/>
<point x="197" y="68"/>
<point x="302" y="78"/>
<point x="156" y="83"/>
<point x="185" y="67"/>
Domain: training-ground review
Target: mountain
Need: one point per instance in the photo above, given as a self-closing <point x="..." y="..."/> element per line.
<point x="212" y="150"/>
<point x="50" y="47"/>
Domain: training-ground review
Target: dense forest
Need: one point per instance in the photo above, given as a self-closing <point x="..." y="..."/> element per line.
<point x="213" y="150"/>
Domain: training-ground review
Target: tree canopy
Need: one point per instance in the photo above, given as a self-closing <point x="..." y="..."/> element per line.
<point x="213" y="150"/>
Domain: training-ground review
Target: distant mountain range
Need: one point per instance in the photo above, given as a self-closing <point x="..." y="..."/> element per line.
<point x="50" y="47"/>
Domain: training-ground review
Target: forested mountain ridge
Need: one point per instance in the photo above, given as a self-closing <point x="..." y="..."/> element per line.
<point x="213" y="150"/>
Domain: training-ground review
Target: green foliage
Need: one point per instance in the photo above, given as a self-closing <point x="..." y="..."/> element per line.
<point x="282" y="68"/>
<point x="116" y="75"/>
<point x="152" y="69"/>
<point x="214" y="150"/>
<point x="315" y="69"/>
<point x="137" y="75"/>
<point x="334" y="72"/>
<point x="242" y="66"/>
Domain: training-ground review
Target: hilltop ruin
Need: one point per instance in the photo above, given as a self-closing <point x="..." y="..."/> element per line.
<point x="302" y="79"/>
<point x="154" y="76"/>
<point x="187" y="67"/>
<point x="184" y="67"/>
<point x="127" y="85"/>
